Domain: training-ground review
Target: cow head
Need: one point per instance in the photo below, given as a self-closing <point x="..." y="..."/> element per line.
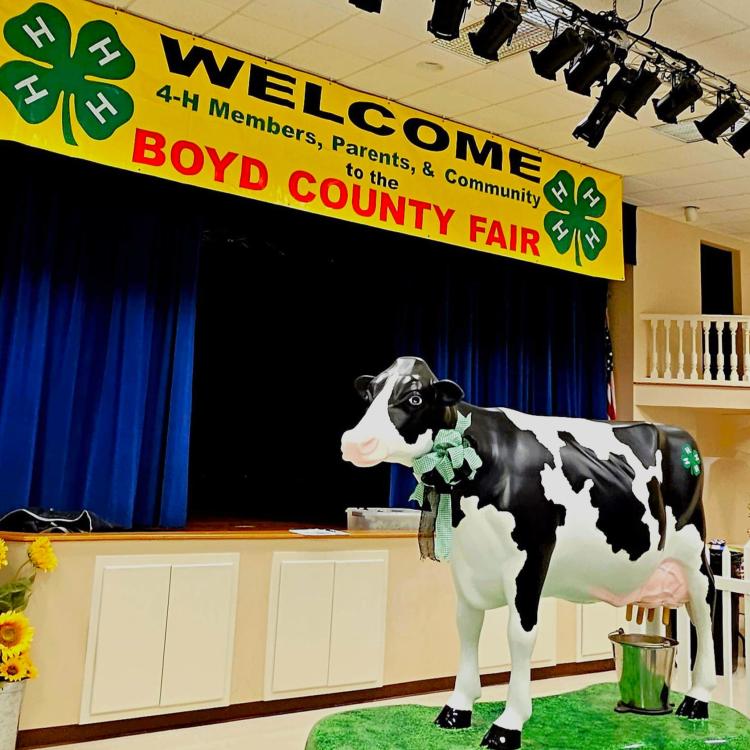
<point x="407" y="406"/>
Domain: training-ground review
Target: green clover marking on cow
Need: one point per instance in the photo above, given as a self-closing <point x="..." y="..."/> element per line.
<point x="691" y="460"/>
<point x="43" y="34"/>
<point x="573" y="219"/>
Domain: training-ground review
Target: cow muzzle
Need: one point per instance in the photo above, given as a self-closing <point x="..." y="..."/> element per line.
<point x="362" y="453"/>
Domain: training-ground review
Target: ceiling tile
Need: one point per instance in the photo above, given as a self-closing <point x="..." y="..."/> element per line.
<point x="254" y="36"/>
<point x="358" y="36"/>
<point x="306" y="18"/>
<point x="324" y="60"/>
<point x="233" y="5"/>
<point x="195" y="17"/>
<point x="726" y="55"/>
<point x="497" y="118"/>
<point x="614" y="146"/>
<point x="738" y="8"/>
<point x="449" y="64"/>
<point x="386" y="80"/>
<point x="443" y="100"/>
<point x="711" y="172"/>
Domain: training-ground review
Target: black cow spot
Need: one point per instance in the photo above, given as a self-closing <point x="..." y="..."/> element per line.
<point x="658" y="511"/>
<point x="620" y="511"/>
<point x="642" y="439"/>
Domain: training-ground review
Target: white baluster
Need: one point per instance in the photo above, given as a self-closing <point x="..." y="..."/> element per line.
<point x="695" y="343"/>
<point x="746" y="370"/>
<point x="680" y="352"/>
<point x="733" y="375"/>
<point x="654" y="353"/>
<point x="667" y="351"/>
<point x="720" y="374"/>
<point x="706" y="354"/>
<point x="726" y="614"/>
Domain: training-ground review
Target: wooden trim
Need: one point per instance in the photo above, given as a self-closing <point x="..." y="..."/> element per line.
<point x="172" y="536"/>
<point x="47" y="736"/>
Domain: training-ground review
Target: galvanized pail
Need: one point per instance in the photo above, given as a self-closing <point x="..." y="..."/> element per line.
<point x="644" y="670"/>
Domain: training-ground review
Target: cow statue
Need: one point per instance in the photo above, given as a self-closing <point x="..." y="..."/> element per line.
<point x="575" y="509"/>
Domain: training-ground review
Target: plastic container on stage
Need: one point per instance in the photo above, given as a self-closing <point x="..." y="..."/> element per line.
<point x="373" y="519"/>
<point x="644" y="671"/>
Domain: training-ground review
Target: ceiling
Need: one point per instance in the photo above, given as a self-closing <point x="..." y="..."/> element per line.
<point x="386" y="53"/>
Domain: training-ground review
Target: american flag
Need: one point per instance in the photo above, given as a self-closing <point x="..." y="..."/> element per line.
<point x="611" y="401"/>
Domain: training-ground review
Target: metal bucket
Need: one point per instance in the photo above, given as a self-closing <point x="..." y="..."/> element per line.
<point x="644" y="670"/>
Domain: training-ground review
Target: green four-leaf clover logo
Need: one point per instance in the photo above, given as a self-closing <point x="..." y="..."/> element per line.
<point x="43" y="34"/>
<point x="691" y="460"/>
<point x="573" y="221"/>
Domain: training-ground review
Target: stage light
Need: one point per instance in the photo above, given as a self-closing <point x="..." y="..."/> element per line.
<point x="498" y="27"/>
<point x="683" y="95"/>
<point x="371" y="6"/>
<point x="592" y="66"/>
<point x="645" y="84"/>
<point x="740" y="141"/>
<point x="446" y="18"/>
<point x="558" y="53"/>
<point x="613" y="95"/>
<point x="726" y="115"/>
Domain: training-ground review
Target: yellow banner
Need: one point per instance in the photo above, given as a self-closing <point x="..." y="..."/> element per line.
<point x="87" y="81"/>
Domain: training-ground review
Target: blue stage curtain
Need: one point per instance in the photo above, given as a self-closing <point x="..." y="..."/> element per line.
<point x="511" y="335"/>
<point x="98" y="277"/>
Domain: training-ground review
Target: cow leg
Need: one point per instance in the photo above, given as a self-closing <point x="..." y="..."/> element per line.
<point x="702" y="593"/>
<point x="456" y="714"/>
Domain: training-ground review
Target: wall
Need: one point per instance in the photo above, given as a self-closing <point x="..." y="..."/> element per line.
<point x="667" y="280"/>
<point x="421" y="640"/>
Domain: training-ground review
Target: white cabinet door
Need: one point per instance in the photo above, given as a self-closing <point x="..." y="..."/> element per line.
<point x="494" y="653"/>
<point x="357" y="633"/>
<point x="161" y="635"/>
<point x="130" y="638"/>
<point x="200" y="634"/>
<point x="595" y="623"/>
<point x="303" y="625"/>
<point x="326" y="622"/>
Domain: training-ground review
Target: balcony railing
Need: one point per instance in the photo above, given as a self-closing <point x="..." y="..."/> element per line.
<point x="698" y="349"/>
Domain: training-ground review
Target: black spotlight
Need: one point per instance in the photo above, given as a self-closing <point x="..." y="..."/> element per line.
<point x="446" y="18"/>
<point x="558" y="53"/>
<point x="740" y="141"/>
<point x="727" y="114"/>
<point x="498" y="27"/>
<point x="371" y="6"/>
<point x="592" y="66"/>
<point x="645" y="84"/>
<point x="613" y="95"/>
<point x="683" y="95"/>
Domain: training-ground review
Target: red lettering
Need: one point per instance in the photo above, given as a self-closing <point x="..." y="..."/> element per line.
<point x="387" y="206"/>
<point x="444" y="217"/>
<point x="196" y="164"/>
<point x="513" y="237"/>
<point x="220" y="162"/>
<point x="419" y="208"/>
<point x="529" y="240"/>
<point x="496" y="235"/>
<point x="294" y="181"/>
<point x="476" y="226"/>
<point x="372" y="198"/>
<point x="254" y="174"/>
<point x="327" y="187"/>
<point x="148" y="147"/>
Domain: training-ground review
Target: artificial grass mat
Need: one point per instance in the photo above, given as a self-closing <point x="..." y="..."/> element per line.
<point x="583" y="720"/>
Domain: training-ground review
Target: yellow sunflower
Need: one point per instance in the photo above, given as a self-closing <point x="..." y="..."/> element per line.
<point x="15" y="633"/>
<point x="14" y="668"/>
<point x="3" y="553"/>
<point x="42" y="555"/>
<point x="31" y="670"/>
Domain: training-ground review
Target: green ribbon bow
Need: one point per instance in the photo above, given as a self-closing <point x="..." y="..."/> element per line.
<point x="691" y="460"/>
<point x="450" y="451"/>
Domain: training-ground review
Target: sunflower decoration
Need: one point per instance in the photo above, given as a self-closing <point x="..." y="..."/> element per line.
<point x="41" y="554"/>
<point x="15" y="668"/>
<point x="3" y="553"/>
<point x="15" y="634"/>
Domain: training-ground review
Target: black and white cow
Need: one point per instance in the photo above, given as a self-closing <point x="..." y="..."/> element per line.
<point x="568" y="508"/>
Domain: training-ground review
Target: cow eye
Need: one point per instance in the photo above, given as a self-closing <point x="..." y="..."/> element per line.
<point x="415" y="399"/>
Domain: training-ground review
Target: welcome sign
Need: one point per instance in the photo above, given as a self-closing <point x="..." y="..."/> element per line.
<point x="87" y="81"/>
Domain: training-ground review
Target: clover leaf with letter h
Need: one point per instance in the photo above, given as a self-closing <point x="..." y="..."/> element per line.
<point x="43" y="34"/>
<point x="574" y="219"/>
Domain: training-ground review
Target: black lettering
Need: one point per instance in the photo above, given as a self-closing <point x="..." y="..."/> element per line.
<point x="223" y="76"/>
<point x="520" y="160"/>
<point x="358" y="115"/>
<point x="313" y="97"/>
<point x="260" y="84"/>
<point x="466" y="142"/>
<point x="411" y="130"/>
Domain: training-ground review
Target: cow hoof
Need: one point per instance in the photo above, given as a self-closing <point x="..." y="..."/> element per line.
<point x="690" y="708"/>
<point x="453" y="718"/>
<point x="502" y="739"/>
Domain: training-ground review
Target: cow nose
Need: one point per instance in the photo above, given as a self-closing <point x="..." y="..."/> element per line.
<point x="368" y="446"/>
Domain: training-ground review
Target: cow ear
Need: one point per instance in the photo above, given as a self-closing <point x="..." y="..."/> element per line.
<point x="362" y="383"/>
<point x="447" y="392"/>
